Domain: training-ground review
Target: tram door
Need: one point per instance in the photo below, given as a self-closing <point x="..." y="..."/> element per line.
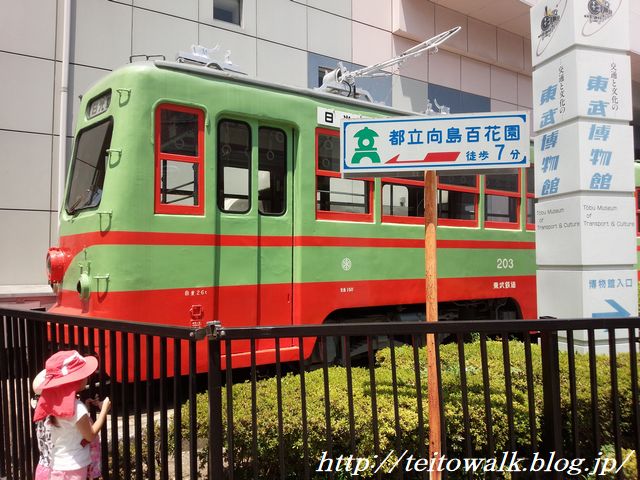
<point x="255" y="225"/>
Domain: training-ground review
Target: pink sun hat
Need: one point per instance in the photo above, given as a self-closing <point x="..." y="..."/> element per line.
<point x="67" y="366"/>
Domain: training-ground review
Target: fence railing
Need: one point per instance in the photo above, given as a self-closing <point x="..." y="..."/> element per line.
<point x="557" y="397"/>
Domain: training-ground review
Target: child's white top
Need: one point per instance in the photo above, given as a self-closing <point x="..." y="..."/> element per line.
<point x="68" y="452"/>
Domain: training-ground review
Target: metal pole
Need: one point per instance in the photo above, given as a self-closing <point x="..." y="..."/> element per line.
<point x="216" y="446"/>
<point x="430" y="219"/>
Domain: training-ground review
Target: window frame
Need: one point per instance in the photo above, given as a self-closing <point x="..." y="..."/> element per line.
<point x="503" y="193"/>
<point x="636" y="196"/>
<point x="339" y="216"/>
<point x="459" y="222"/>
<point x="285" y="208"/>
<point x="449" y="222"/>
<point x="73" y="166"/>
<point x="398" y="218"/>
<point x="220" y="167"/>
<point x="159" y="156"/>
<point x="529" y="195"/>
<point x="229" y="22"/>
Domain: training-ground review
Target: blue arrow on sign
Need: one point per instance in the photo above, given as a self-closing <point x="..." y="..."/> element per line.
<point x="619" y="312"/>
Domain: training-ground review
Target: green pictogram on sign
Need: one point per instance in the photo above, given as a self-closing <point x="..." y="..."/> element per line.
<point x="365" y="148"/>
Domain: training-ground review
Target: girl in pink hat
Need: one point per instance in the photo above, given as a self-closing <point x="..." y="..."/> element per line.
<point x="72" y="432"/>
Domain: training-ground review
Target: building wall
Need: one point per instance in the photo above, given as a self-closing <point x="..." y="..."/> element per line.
<point x="285" y="41"/>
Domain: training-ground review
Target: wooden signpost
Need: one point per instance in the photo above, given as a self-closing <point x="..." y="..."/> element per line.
<point x="431" y="276"/>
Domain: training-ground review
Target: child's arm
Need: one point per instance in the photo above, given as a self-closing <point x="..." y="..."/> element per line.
<point x="90" y="431"/>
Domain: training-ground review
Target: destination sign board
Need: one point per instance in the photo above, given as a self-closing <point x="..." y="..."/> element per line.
<point x="394" y="146"/>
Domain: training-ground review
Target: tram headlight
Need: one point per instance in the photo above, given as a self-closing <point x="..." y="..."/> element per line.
<point x="55" y="265"/>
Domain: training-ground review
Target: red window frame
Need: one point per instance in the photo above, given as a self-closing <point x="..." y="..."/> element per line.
<point x="529" y="196"/>
<point x="398" y="218"/>
<point x="198" y="160"/>
<point x="340" y="216"/>
<point x="457" y="222"/>
<point x="504" y="193"/>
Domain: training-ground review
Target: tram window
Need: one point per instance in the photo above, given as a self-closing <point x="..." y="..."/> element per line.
<point x="272" y="171"/>
<point x="234" y="166"/>
<point x="88" y="167"/>
<point x="338" y="198"/>
<point x="179" y="160"/>
<point x="179" y="132"/>
<point x="179" y="183"/>
<point x="329" y="153"/>
<point x="342" y="195"/>
<point x="458" y="200"/>
<point x="502" y="200"/>
<point x="403" y="200"/>
<point x="531" y="201"/>
<point x="456" y="205"/>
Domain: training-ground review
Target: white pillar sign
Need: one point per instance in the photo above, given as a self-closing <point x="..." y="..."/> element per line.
<point x="584" y="156"/>
<point x="584" y="168"/>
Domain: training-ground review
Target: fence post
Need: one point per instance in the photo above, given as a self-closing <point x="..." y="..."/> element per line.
<point x="215" y="401"/>
<point x="552" y="432"/>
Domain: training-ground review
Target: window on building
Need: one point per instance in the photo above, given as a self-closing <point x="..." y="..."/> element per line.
<point x="531" y="201"/>
<point x="179" y="160"/>
<point x="228" y="11"/>
<point x="272" y="171"/>
<point x="234" y="166"/>
<point x="458" y="200"/>
<point x="502" y="200"/>
<point x="322" y="71"/>
<point x="338" y="198"/>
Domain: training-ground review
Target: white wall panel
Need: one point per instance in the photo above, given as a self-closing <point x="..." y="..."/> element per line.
<point x="26" y="93"/>
<point x="158" y="34"/>
<point x="444" y="69"/>
<point x="504" y="85"/>
<point x="280" y="64"/>
<point x="28" y="27"/>
<point x="102" y="34"/>
<point x="338" y="7"/>
<point x="183" y="9"/>
<point x="23" y="252"/>
<point x="25" y="170"/>
<point x="329" y="35"/>
<point x="376" y="13"/>
<point x="282" y="21"/>
<point x="475" y="77"/>
<point x="510" y="49"/>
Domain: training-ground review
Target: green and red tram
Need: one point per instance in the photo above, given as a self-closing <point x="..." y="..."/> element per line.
<point x="197" y="195"/>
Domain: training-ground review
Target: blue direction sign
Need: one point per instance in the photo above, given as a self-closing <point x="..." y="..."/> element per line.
<point x="388" y="146"/>
<point x="618" y="311"/>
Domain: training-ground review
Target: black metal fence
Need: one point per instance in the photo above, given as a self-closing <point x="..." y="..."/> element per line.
<point x="558" y="398"/>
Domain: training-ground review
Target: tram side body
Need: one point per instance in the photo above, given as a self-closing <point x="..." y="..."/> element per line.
<point x="130" y="258"/>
